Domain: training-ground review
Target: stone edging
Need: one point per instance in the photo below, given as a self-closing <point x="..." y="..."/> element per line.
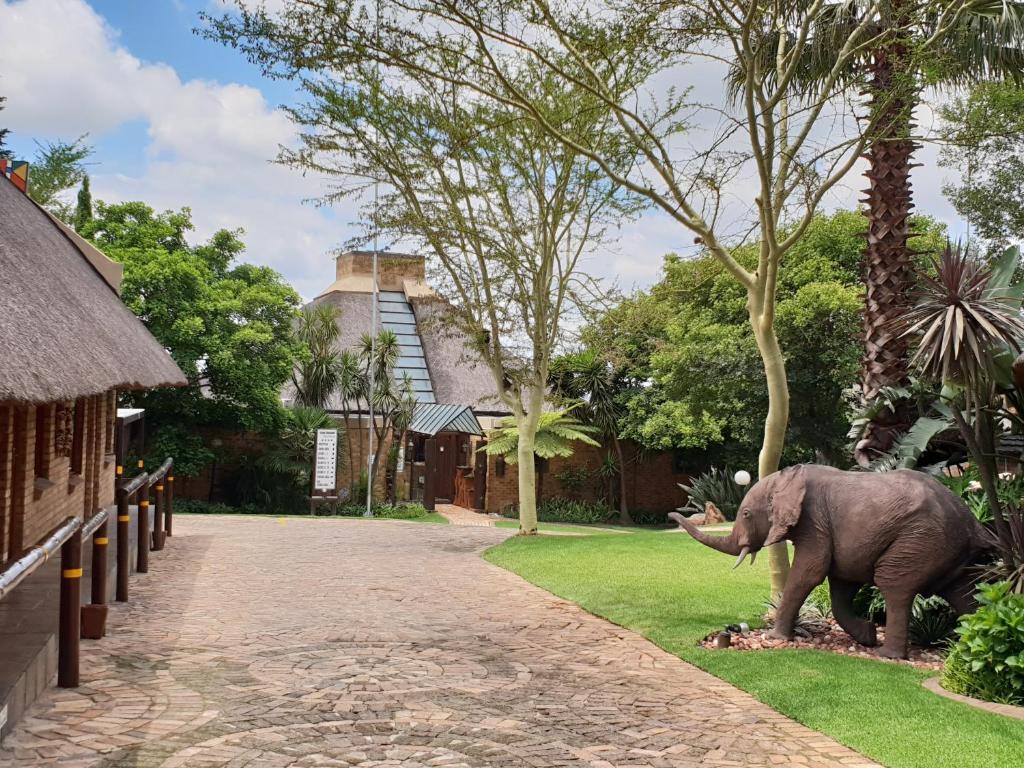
<point x="1007" y="710"/>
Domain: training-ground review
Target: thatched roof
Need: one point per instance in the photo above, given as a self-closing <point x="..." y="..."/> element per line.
<point x="64" y="332"/>
<point x="457" y="377"/>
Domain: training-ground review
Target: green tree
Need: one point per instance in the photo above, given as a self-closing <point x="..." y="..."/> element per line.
<point x="56" y="168"/>
<point x="609" y="55"/>
<point x="229" y="326"/>
<point x="291" y="450"/>
<point x="683" y="346"/>
<point x="587" y="383"/>
<point x="317" y="376"/>
<point x="983" y="133"/>
<point x="83" y="206"/>
<point x="945" y="46"/>
<point x="4" y="133"/>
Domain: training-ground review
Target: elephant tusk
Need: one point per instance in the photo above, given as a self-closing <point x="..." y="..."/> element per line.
<point x="739" y="560"/>
<point x="753" y="557"/>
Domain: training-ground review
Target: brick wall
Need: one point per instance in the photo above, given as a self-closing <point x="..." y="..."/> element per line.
<point x="651" y="483"/>
<point x="53" y="465"/>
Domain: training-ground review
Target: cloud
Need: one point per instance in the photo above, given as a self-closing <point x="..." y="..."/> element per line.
<point x="208" y="144"/>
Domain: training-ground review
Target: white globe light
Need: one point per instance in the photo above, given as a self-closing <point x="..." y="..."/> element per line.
<point x="742" y="477"/>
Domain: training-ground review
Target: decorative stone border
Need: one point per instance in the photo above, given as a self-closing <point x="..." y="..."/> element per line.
<point x="1007" y="710"/>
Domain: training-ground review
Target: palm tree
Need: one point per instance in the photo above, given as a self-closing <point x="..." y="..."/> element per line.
<point x="291" y="452"/>
<point x="317" y="376"/>
<point x="390" y="400"/>
<point x="587" y="382"/>
<point x="350" y="386"/>
<point x="942" y="45"/>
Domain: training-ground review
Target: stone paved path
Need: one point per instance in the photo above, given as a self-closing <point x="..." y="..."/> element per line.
<point x="259" y="643"/>
<point x="462" y="516"/>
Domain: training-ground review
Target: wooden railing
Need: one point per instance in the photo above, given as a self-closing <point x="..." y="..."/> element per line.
<point x="88" y="621"/>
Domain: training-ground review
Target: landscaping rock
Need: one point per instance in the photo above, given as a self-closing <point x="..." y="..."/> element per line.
<point x="712" y="514"/>
<point x="826" y="636"/>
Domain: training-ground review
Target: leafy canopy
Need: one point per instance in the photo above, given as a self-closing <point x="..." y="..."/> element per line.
<point x="689" y="356"/>
<point x="227" y="325"/>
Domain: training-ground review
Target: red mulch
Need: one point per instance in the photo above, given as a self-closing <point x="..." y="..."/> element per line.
<point x="829" y="637"/>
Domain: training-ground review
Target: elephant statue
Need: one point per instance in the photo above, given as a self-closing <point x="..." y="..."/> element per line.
<point x="902" y="531"/>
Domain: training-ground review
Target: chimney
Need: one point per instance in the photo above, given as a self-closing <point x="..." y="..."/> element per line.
<point x="16" y="171"/>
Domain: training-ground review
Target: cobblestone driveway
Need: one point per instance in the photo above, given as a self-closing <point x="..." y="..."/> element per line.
<point x="260" y="643"/>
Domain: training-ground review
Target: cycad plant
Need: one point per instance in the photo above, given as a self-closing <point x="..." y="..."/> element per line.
<point x="290" y="452"/>
<point x="966" y="327"/>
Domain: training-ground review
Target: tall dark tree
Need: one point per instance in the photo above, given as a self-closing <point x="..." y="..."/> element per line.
<point x="83" y="206"/>
<point x="940" y="45"/>
<point x="4" y="152"/>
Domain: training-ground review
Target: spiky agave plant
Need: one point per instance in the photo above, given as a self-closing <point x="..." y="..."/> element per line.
<point x="966" y="318"/>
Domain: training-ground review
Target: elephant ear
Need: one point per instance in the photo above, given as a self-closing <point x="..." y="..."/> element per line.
<point x="787" y="499"/>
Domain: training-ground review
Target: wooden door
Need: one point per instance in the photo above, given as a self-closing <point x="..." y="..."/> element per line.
<point x="447" y="459"/>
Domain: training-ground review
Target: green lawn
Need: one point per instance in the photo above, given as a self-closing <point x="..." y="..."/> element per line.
<point x="577" y="528"/>
<point x="430" y="517"/>
<point x="675" y="591"/>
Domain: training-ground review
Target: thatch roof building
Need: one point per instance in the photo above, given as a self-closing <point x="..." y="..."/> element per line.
<point x="443" y="367"/>
<point x="64" y="331"/>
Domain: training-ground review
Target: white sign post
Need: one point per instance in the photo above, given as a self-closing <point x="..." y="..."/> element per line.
<point x="325" y="469"/>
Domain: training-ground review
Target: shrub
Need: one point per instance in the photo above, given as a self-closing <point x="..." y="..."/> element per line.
<point x="199" y="507"/>
<point x="987" y="661"/>
<point x="932" y="622"/>
<point x="383" y="510"/>
<point x="572" y="511"/>
<point x="648" y="517"/>
<point x="718" y="487"/>
<point x="559" y="510"/>
<point x="572" y="480"/>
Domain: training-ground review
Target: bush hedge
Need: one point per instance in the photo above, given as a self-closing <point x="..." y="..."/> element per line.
<point x="987" y="661"/>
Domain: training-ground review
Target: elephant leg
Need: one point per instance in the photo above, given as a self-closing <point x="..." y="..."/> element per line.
<point x="960" y="594"/>
<point x="898" y="601"/>
<point x="808" y="571"/>
<point x="842" y="593"/>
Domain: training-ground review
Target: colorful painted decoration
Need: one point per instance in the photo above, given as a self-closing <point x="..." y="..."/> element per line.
<point x="16" y="171"/>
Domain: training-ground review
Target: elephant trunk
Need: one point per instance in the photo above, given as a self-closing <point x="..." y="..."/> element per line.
<point x="725" y="544"/>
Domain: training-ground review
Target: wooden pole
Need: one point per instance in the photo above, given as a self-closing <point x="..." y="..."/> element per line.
<point x="169" y="505"/>
<point x="430" y="474"/>
<point x="70" y="611"/>
<point x="123" y="532"/>
<point x="142" y="540"/>
<point x="480" y="477"/>
<point x="158" y="518"/>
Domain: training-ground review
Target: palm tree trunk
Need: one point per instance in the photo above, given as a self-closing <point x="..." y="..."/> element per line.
<point x="624" y="516"/>
<point x="888" y="259"/>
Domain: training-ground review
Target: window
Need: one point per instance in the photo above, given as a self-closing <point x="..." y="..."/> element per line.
<point x="78" y="437"/>
<point x="44" y="440"/>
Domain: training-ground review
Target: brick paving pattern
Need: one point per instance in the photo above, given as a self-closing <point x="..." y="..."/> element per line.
<point x="264" y="643"/>
<point x="462" y="516"/>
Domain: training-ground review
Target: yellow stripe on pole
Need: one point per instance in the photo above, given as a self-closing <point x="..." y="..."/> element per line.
<point x="120" y="470"/>
<point x="143" y="503"/>
<point x="160" y="488"/>
<point x="124" y="518"/>
<point x="102" y="542"/>
<point x="170" y="478"/>
<point x="141" y="463"/>
<point x="72" y="573"/>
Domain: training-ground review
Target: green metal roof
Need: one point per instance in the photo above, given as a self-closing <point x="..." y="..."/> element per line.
<point x="431" y="418"/>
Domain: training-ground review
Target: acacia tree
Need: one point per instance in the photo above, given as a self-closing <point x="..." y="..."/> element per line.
<point x="779" y="156"/>
<point x="506" y="211"/>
